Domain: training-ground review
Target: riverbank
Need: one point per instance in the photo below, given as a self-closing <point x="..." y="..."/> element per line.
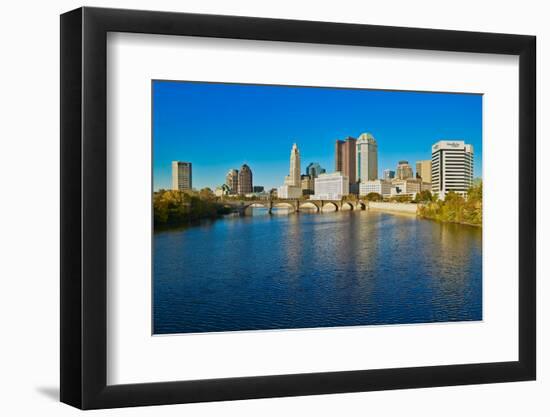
<point x="437" y="219"/>
<point x="398" y="208"/>
<point x="174" y="209"/>
<point x="456" y="209"/>
<point x="437" y="211"/>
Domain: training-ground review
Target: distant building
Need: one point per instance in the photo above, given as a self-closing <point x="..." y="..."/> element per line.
<point x="182" y="176"/>
<point x="314" y="170"/>
<point x="367" y="158"/>
<point x="293" y="178"/>
<point x="289" y="192"/>
<point x="232" y="181"/>
<point x="404" y="170"/>
<point x="345" y="158"/>
<point x="258" y="189"/>
<point x="259" y="195"/>
<point x="292" y="187"/>
<point x="408" y="187"/>
<point x="424" y="170"/>
<point x="452" y="167"/>
<point x="389" y="174"/>
<point x="307" y="185"/>
<point x="381" y="187"/>
<point x="222" y="190"/>
<point x="331" y="186"/>
<point x="245" y="180"/>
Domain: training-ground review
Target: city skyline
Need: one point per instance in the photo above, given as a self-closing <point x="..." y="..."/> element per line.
<point x="229" y="125"/>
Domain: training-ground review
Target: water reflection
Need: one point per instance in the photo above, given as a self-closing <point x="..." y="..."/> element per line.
<point x="314" y="270"/>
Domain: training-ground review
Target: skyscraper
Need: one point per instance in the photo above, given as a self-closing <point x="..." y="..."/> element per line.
<point x="452" y="167"/>
<point x="345" y="158"/>
<point x="424" y="170"/>
<point x="389" y="175"/>
<point x="182" y="176"/>
<point x="245" y="180"/>
<point x="232" y="181"/>
<point x="367" y="158"/>
<point x="292" y="187"/>
<point x="293" y="179"/>
<point x="314" y="170"/>
<point x="404" y="170"/>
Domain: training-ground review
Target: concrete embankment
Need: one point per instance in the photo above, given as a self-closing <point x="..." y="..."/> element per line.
<point x="400" y="208"/>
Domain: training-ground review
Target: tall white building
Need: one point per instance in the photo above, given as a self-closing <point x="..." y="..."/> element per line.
<point x="294" y="178"/>
<point x="331" y="186"/>
<point x="452" y="167"/>
<point x="367" y="158"/>
<point x="293" y="181"/>
<point x="182" y="176"/>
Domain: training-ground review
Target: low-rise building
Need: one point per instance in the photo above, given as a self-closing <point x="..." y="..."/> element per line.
<point x="408" y="187"/>
<point x="331" y="187"/>
<point x="289" y="192"/>
<point x="381" y="187"/>
<point x="308" y="186"/>
<point x="262" y="195"/>
<point x="389" y="174"/>
<point x="258" y="189"/>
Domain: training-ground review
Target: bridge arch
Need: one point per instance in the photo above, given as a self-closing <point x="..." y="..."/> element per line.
<point x="329" y="206"/>
<point x="361" y="205"/>
<point x="280" y="205"/>
<point x="347" y="206"/>
<point x="309" y="205"/>
<point x="246" y="209"/>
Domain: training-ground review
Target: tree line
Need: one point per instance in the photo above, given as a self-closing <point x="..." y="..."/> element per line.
<point x="455" y="208"/>
<point x="177" y="208"/>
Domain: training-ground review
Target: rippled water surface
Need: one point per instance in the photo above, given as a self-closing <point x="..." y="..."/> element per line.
<point x="315" y="270"/>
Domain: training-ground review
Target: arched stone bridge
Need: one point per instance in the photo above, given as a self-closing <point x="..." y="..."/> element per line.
<point x="318" y="206"/>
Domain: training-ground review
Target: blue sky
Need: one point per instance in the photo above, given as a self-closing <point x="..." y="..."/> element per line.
<point x="222" y="126"/>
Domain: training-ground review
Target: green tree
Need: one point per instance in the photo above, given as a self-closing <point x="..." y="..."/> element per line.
<point x="173" y="208"/>
<point x="374" y="197"/>
<point x="401" y="198"/>
<point x="206" y="194"/>
<point x="456" y="208"/>
<point x="424" y="196"/>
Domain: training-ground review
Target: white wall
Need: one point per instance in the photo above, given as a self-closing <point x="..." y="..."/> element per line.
<point x="397" y="207"/>
<point x="29" y="225"/>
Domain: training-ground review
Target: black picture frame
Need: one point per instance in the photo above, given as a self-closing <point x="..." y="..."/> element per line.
<point x="84" y="207"/>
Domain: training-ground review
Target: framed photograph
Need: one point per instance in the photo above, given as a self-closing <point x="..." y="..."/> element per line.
<point x="257" y="208"/>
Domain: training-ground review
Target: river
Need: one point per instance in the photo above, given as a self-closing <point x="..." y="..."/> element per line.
<point x="315" y="270"/>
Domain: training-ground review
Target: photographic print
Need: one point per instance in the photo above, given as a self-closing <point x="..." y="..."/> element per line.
<point x="290" y="207"/>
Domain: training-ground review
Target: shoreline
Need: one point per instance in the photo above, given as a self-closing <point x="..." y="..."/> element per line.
<point x="398" y="209"/>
